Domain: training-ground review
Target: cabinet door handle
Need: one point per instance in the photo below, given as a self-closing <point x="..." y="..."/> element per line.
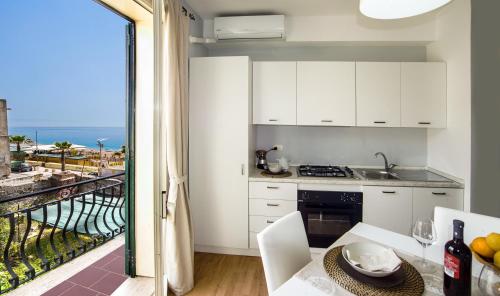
<point x="439" y="193"/>
<point x="273" y="187"/>
<point x="380" y="122"/>
<point x="269" y="222"/>
<point x="273" y="120"/>
<point x="326" y="120"/>
<point x="389" y="192"/>
<point x="273" y="205"/>
<point x="424" y="122"/>
<point x="242" y="169"/>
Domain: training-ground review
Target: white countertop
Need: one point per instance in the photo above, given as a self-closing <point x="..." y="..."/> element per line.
<point x="256" y="176"/>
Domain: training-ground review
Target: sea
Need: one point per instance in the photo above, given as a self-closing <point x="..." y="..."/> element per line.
<point x="86" y="136"/>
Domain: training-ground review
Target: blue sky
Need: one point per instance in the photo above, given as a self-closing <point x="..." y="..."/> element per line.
<point x="62" y="63"/>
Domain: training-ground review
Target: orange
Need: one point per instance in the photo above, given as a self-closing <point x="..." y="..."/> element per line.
<point x="496" y="259"/>
<point x="480" y="246"/>
<point x="493" y="241"/>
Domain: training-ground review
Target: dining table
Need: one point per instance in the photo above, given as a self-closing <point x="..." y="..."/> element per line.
<point x="313" y="280"/>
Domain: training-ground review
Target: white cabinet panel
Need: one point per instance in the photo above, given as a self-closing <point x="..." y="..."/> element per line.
<point x="378" y="94"/>
<point x="426" y="199"/>
<point x="259" y="223"/>
<point x="271" y="207"/>
<point x="423" y="95"/>
<point x="326" y="93"/>
<point x="218" y="150"/>
<point x="388" y="207"/>
<point x="275" y="93"/>
<point x="253" y="240"/>
<point x="269" y="190"/>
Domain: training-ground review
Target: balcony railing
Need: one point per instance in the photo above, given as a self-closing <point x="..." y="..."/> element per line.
<point x="42" y="230"/>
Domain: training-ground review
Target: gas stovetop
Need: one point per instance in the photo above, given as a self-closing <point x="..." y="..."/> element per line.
<point x="325" y="171"/>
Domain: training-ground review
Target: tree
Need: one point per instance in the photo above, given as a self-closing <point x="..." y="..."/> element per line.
<point x="18" y="139"/>
<point x="63" y="146"/>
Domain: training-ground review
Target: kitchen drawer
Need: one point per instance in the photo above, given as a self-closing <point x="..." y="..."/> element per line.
<point x="271" y="190"/>
<point x="253" y="240"/>
<point x="388" y="207"/>
<point x="426" y="199"/>
<point x="258" y="223"/>
<point x="271" y="207"/>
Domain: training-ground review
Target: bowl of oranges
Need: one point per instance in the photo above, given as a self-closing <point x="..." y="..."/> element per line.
<point x="486" y="250"/>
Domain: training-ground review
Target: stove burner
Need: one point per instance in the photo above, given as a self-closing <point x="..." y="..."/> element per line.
<point x="324" y="171"/>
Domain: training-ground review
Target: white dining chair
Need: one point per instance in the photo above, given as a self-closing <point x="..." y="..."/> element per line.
<point x="284" y="249"/>
<point x="474" y="225"/>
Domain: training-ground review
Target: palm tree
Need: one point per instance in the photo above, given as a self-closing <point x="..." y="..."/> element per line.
<point x="18" y="139"/>
<point x="63" y="146"/>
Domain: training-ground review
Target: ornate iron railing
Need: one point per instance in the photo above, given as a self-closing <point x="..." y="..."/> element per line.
<point x="42" y="230"/>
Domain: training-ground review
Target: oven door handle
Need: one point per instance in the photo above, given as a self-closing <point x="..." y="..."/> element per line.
<point x="326" y="209"/>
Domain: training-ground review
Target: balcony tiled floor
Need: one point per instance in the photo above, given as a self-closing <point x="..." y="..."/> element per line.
<point x="101" y="278"/>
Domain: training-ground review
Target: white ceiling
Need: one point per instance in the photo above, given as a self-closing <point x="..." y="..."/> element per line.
<point x="208" y="9"/>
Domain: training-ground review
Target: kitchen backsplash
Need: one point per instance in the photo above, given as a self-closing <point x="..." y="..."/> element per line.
<point x="344" y="145"/>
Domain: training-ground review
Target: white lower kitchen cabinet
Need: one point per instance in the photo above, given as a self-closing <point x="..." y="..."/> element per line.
<point x="285" y="191"/>
<point x="271" y="207"/>
<point x="258" y="223"/>
<point x="268" y="201"/>
<point x="426" y="199"/>
<point x="388" y="207"/>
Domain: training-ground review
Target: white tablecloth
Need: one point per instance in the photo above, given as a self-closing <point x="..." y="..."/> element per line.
<point x="312" y="280"/>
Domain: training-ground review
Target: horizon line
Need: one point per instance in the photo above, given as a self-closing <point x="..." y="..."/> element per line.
<point x="65" y="126"/>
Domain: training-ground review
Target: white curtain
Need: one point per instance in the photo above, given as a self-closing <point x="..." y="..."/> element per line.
<point x="179" y="243"/>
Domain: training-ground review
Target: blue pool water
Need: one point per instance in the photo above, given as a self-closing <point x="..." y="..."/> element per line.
<point x="85" y="136"/>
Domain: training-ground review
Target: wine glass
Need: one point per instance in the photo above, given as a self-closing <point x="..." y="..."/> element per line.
<point x="424" y="232"/>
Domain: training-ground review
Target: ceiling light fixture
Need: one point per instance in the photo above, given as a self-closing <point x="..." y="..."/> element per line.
<point x="397" y="9"/>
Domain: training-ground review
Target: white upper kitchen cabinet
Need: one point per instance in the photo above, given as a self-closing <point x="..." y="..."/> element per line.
<point x="378" y="94"/>
<point x="326" y="93"/>
<point x="275" y="93"/>
<point x="219" y="119"/>
<point x="388" y="207"/>
<point x="423" y="94"/>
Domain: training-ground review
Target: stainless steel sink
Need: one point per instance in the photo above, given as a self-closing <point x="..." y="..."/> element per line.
<point x="377" y="174"/>
<point x="416" y="175"/>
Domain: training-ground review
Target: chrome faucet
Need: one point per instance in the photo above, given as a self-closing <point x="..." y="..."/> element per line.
<point x="388" y="167"/>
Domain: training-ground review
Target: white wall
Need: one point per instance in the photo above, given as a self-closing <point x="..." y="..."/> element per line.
<point x="449" y="150"/>
<point x="344" y="145"/>
<point x="353" y="28"/>
<point x="196" y="29"/>
<point x="359" y="28"/>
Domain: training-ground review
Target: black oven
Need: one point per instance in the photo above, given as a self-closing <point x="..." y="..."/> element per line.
<point x="328" y="215"/>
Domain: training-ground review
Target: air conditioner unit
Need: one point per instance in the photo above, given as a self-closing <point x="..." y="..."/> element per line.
<point x="250" y="27"/>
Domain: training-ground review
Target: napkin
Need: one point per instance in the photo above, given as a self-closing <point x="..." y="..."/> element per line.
<point x="386" y="260"/>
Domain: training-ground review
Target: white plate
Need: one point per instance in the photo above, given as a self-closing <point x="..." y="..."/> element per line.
<point x="363" y="248"/>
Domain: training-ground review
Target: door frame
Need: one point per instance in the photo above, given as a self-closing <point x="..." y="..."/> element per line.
<point x="130" y="47"/>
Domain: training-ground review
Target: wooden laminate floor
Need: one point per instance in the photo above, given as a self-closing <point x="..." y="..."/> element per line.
<point x="228" y="275"/>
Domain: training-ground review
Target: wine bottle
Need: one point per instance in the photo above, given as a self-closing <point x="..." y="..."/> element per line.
<point x="457" y="263"/>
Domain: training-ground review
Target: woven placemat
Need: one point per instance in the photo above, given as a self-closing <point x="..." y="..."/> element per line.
<point x="413" y="284"/>
<point x="277" y="175"/>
